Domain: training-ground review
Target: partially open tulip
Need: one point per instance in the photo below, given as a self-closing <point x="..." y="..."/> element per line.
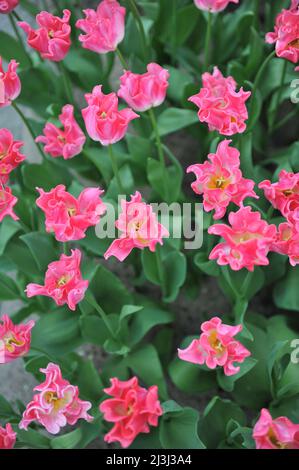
<point x="10" y="155"/>
<point x="286" y="33"/>
<point x="287" y="242"/>
<point x="139" y="226"/>
<point x="278" y="433"/>
<point x="216" y="346"/>
<point x="7" y="202"/>
<point x="6" y="6"/>
<point x="104" y="28"/>
<point x="7" y="437"/>
<point x="52" y="39"/>
<point x="57" y="404"/>
<point x="213" y="5"/>
<point x="284" y="194"/>
<point x="247" y="240"/>
<point x="220" y="180"/>
<point x="145" y="91"/>
<point x="69" y="217"/>
<point x="14" y="339"/>
<point x="10" y="84"/>
<point x="220" y="105"/>
<point x="63" y="281"/>
<point x="104" y="122"/>
<point x="67" y="141"/>
<point x="132" y="409"/>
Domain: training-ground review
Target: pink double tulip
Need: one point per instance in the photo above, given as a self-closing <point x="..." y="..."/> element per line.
<point x="279" y="433"/>
<point x="63" y="281"/>
<point x="132" y="409"/>
<point x="104" y="28"/>
<point x="52" y="39"/>
<point x="66" y="142"/>
<point x="6" y="6"/>
<point x="104" y="122"/>
<point x="7" y="203"/>
<point x="7" y="437"/>
<point x="57" y="403"/>
<point x="287" y="242"/>
<point x="69" y="217"/>
<point x="10" y="84"/>
<point x="284" y="194"/>
<point x="220" y="105"/>
<point x="213" y="5"/>
<point x="220" y="180"/>
<point x="216" y="346"/>
<point x="10" y="155"/>
<point x="247" y="240"/>
<point x="144" y="91"/>
<point x="286" y="33"/>
<point x="139" y="226"/>
<point x="14" y="339"/>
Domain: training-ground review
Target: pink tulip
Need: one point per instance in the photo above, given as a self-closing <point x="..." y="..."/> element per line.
<point x="247" y="240"/>
<point x="103" y="121"/>
<point x="286" y="33"/>
<point x="145" y="91"/>
<point x="220" y="105"/>
<point x="14" y="339"/>
<point x="63" y="281"/>
<point x="10" y="85"/>
<point x="283" y="195"/>
<point x="213" y="5"/>
<point x="139" y="226"/>
<point x="104" y="28"/>
<point x="7" y="434"/>
<point x="7" y="202"/>
<point x="216" y="346"/>
<point x="10" y="155"/>
<point x="287" y="242"/>
<point x="66" y="142"/>
<point x="69" y="217"/>
<point x="279" y="433"/>
<point x="6" y="6"/>
<point x="132" y="408"/>
<point x="57" y="403"/>
<point x="52" y="39"/>
<point x="220" y="180"/>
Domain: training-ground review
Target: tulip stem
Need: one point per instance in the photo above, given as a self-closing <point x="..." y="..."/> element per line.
<point x="16" y="16"/>
<point x="137" y="17"/>
<point x="115" y="169"/>
<point x="28" y="125"/>
<point x="160" y="148"/>
<point x="66" y="82"/>
<point x="89" y="297"/>
<point x="208" y="41"/>
<point x="17" y="33"/>
<point x="122" y="59"/>
<point x="160" y="268"/>
<point x="256" y="84"/>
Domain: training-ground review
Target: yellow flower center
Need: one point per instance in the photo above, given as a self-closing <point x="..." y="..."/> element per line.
<point x="11" y="342"/>
<point x="294" y="43"/>
<point x="273" y="439"/>
<point x="103" y="115"/>
<point x="215" y="342"/>
<point x="71" y="211"/>
<point x="52" y="399"/>
<point x="63" y="281"/>
<point x="218" y="182"/>
<point x="51" y="34"/>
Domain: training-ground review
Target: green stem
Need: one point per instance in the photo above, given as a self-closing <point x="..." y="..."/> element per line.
<point x="16" y="16"/>
<point x="66" y="82"/>
<point x="257" y="82"/>
<point x="226" y="274"/>
<point x="65" y="248"/>
<point x="160" y="268"/>
<point x="93" y="303"/>
<point x="122" y="59"/>
<point x="17" y="33"/>
<point x="115" y="169"/>
<point x="137" y="17"/>
<point x="283" y="75"/>
<point x="270" y="213"/>
<point x="28" y="125"/>
<point x="160" y="148"/>
<point x="246" y="283"/>
<point x="208" y="41"/>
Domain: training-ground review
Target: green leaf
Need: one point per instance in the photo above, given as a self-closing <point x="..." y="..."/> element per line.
<point x="33" y="439"/>
<point x="205" y="265"/>
<point x="88" y="380"/>
<point x="94" y="330"/>
<point x="8" y="288"/>
<point x="8" y="229"/>
<point x="212" y="426"/>
<point x="67" y="441"/>
<point x="227" y="383"/>
<point x="6" y="410"/>
<point x="173" y="119"/>
<point x="178" y="428"/>
<point x="11" y="48"/>
<point x="45" y="176"/>
<point x="144" y="320"/>
<point x="286" y="292"/>
<point x="175" y="268"/>
<point x="41" y="246"/>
